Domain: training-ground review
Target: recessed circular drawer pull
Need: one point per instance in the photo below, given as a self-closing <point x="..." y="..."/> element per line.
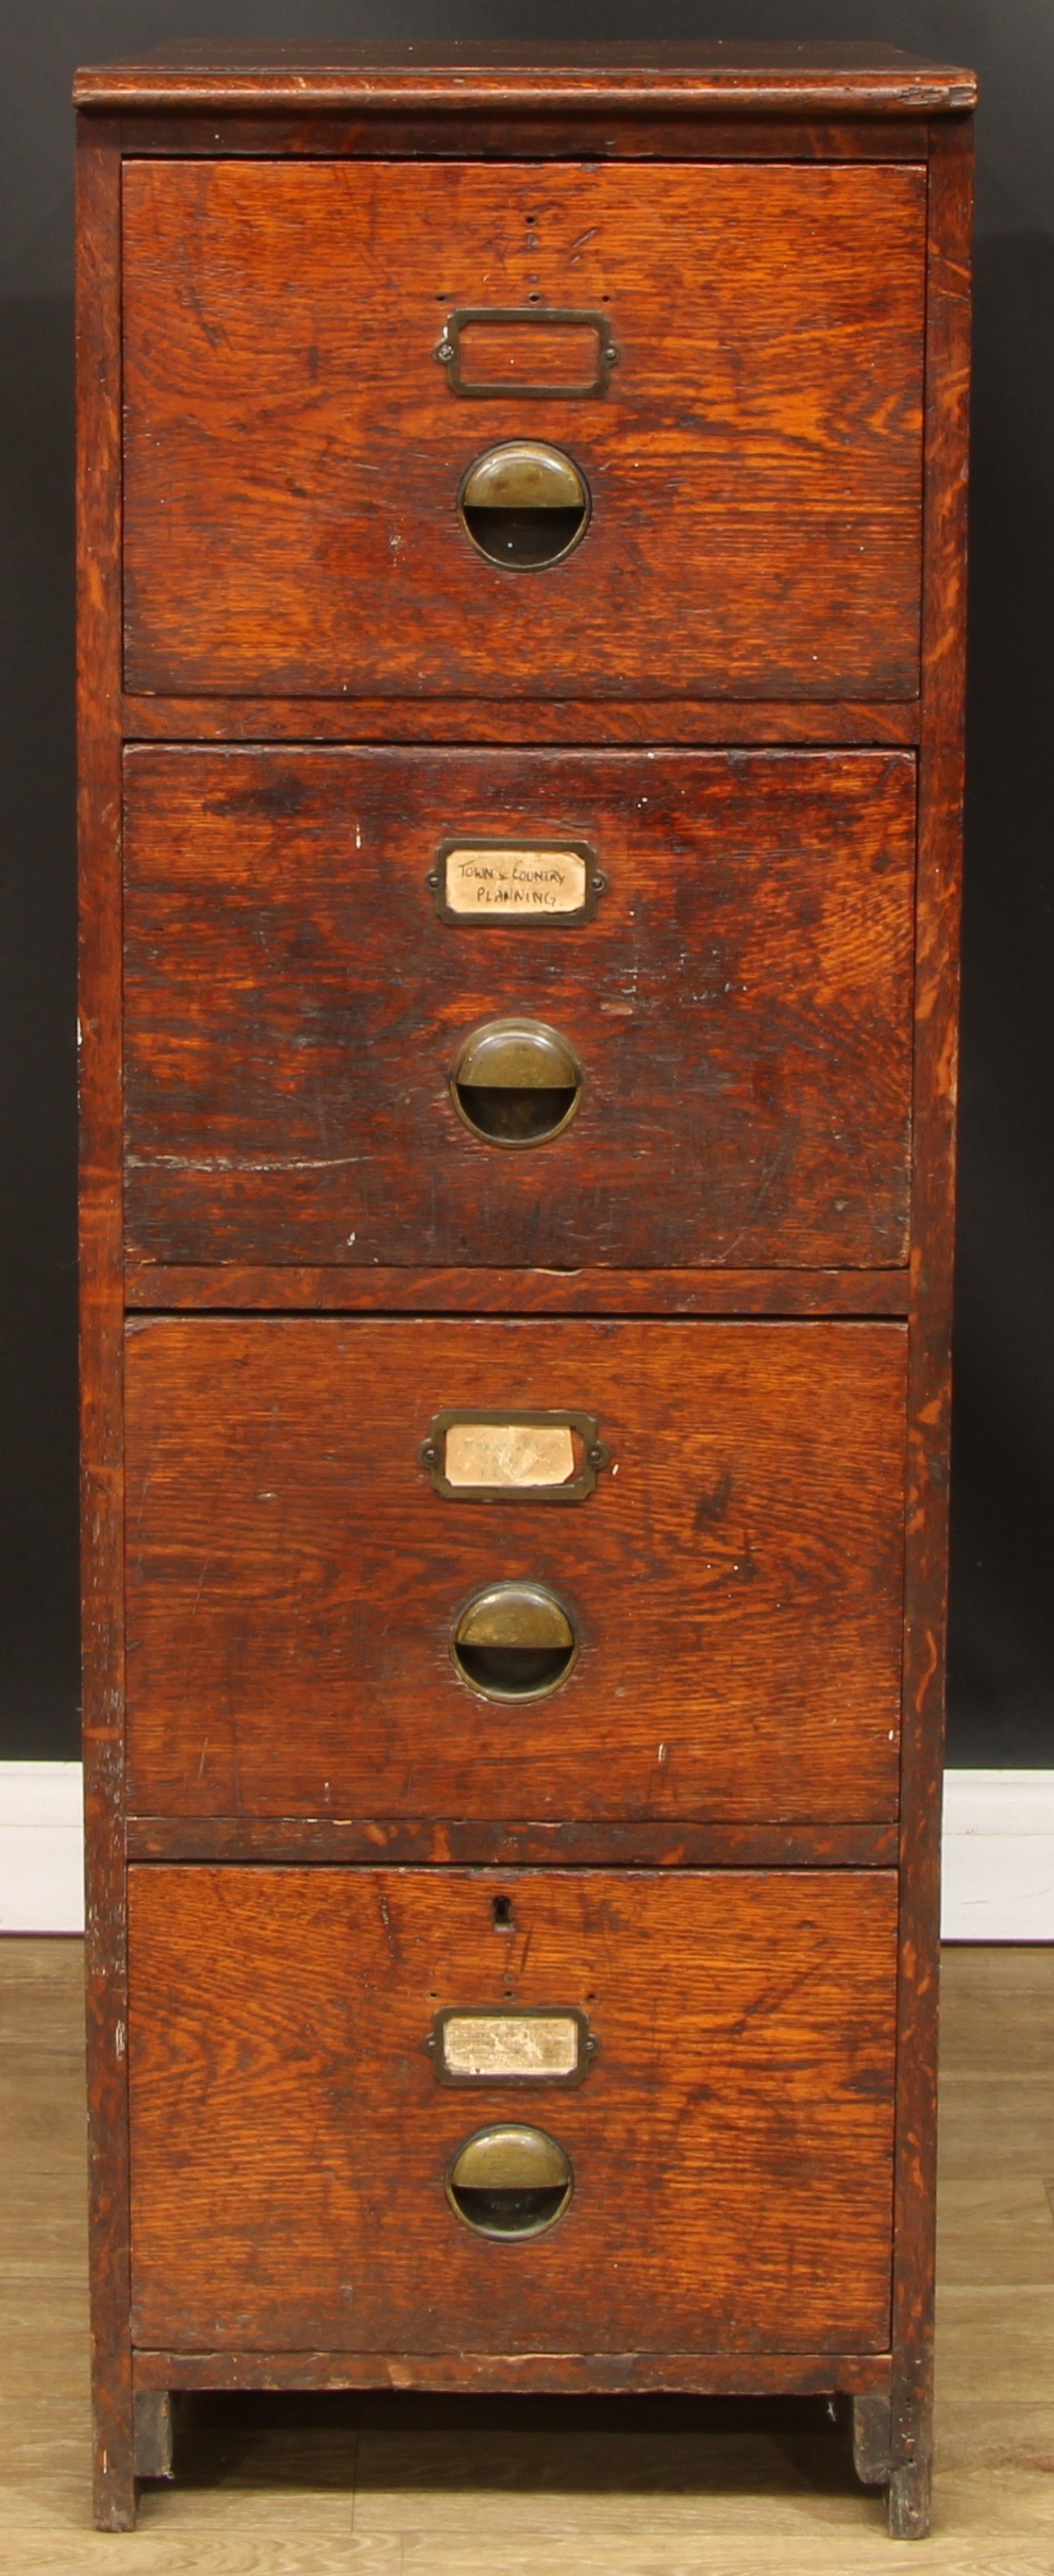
<point x="524" y="505"/>
<point x="510" y="2181"/>
<point x="515" y="1641"/>
<point x="516" y="1082"/>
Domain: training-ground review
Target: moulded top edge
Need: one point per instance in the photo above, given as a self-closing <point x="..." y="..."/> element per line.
<point x="759" y="79"/>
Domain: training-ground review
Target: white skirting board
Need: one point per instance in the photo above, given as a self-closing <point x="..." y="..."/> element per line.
<point x="41" y="1847"/>
<point x="998" y="1856"/>
<point x="998" y="1852"/>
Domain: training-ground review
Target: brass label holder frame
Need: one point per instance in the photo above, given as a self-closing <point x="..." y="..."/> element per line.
<point x="483" y="2046"/>
<point x="589" y="1455"/>
<point x="542" y="896"/>
<point x="449" y="353"/>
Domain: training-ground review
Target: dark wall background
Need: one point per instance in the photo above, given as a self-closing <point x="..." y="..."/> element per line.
<point x="1002" y="1659"/>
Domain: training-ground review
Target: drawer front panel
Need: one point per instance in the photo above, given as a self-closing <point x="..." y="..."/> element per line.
<point x="733" y="1582"/>
<point x="730" y="2148"/>
<point x="294" y="451"/>
<point x="739" y="1003"/>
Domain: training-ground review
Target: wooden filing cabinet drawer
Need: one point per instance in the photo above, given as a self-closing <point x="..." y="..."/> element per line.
<point x="729" y="2149"/>
<point x="732" y="1585"/>
<point x="294" y="450"/>
<point x="738" y="1000"/>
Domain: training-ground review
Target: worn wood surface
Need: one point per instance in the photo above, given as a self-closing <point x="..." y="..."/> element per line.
<point x="101" y="1298"/>
<point x="936" y="1009"/>
<point x="514" y="2374"/>
<point x="751" y="78"/>
<point x="153" y="2419"/>
<point x="293" y="453"/>
<point x="869" y="2426"/>
<point x="457" y="2485"/>
<point x="740" y="1004"/>
<point x="652" y="721"/>
<point x="538" y="132"/>
<point x="186" y="1286"/>
<point x="478" y="1843"/>
<point x="736" y="1576"/>
<point x="731" y="2145"/>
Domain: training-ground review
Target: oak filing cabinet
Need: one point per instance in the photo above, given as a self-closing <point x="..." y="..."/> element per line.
<point x="521" y="659"/>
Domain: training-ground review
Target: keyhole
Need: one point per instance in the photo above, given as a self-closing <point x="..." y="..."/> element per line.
<point x="502" y="1912"/>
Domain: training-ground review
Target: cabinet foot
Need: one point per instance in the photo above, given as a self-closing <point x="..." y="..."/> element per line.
<point x="137" y="2443"/>
<point x="114" y="2489"/>
<point x="152" y="2420"/>
<point x="907" y="2484"/>
<point x="872" y="2439"/>
<point x="909" y="2501"/>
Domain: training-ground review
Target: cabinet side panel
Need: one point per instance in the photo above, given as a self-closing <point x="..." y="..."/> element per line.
<point x="936" y="1006"/>
<point x="98" y="368"/>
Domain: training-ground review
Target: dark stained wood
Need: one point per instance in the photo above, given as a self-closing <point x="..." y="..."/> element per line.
<point x="153" y="2433"/>
<point x="731" y="2144"/>
<point x="740" y="1005"/>
<point x="780" y="78"/>
<point x="909" y="2498"/>
<point x="753" y="2374"/>
<point x="940" y="830"/>
<point x="658" y="722"/>
<point x="736" y="1576"/>
<point x="870" y="2435"/>
<point x="427" y="1842"/>
<point x="293" y="453"/>
<point x="99" y="817"/>
<point x="521" y="134"/>
<point x="340" y="1289"/>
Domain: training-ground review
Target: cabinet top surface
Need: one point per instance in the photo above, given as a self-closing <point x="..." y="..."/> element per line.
<point x="868" y="78"/>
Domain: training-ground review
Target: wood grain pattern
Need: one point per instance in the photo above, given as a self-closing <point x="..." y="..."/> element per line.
<point x="737" y="1581"/>
<point x="936" y="1016"/>
<point x="753" y="78"/>
<point x="186" y="1287"/>
<point x="740" y="1005"/>
<point x="478" y="1844"/>
<point x="731" y="2146"/>
<point x="618" y="132"/>
<point x="657" y="722"/>
<point x="293" y="453"/>
<point x="101" y="1315"/>
<point x="760" y="2374"/>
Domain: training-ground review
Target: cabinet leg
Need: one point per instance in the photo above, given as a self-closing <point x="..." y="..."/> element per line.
<point x="114" y="2476"/>
<point x="133" y="2440"/>
<point x="152" y="2419"/>
<point x="872" y="2440"/>
<point x="907" y="2482"/>
<point x="909" y="2501"/>
<point x="113" y="2449"/>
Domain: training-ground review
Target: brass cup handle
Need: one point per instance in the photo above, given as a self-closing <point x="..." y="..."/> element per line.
<point x="510" y="2181"/>
<point x="524" y="505"/>
<point x="514" y="1641"/>
<point x="516" y="1082"/>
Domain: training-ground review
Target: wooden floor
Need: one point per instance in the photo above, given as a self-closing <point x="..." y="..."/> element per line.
<point x="427" y="2487"/>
